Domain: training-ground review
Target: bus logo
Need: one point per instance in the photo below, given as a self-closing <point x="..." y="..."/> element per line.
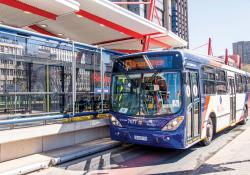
<point x="220" y="107"/>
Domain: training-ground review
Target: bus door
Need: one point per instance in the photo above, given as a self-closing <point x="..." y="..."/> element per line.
<point x="192" y="106"/>
<point x="232" y="92"/>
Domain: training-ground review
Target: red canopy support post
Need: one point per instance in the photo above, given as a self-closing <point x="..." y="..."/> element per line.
<point x="226" y="57"/>
<point x="146" y="39"/>
<point x="240" y="62"/>
<point x="210" y="46"/>
<point x="158" y="18"/>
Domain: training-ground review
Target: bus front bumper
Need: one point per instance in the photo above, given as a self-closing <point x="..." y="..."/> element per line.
<point x="145" y="137"/>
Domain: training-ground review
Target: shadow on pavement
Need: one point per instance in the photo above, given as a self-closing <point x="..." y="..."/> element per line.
<point x="205" y="169"/>
<point x="137" y="156"/>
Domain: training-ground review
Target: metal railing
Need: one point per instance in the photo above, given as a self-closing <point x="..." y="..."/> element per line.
<point x="49" y="119"/>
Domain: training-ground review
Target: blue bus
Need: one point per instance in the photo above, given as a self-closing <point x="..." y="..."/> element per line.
<point x="176" y="98"/>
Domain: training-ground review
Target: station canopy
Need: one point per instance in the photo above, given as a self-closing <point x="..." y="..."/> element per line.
<point x="95" y="22"/>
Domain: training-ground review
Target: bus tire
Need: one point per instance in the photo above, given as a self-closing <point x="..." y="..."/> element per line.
<point x="244" y="121"/>
<point x="209" y="132"/>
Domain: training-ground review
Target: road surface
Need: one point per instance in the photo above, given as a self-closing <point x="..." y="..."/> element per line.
<point x="138" y="160"/>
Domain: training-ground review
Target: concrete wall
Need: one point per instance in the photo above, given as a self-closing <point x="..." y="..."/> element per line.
<point x="26" y="141"/>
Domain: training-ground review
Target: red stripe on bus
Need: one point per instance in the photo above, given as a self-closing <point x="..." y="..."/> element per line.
<point x="205" y="109"/>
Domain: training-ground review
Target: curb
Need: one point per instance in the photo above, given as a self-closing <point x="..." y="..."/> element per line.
<point x="28" y="168"/>
<point x="59" y="160"/>
<point x="84" y="153"/>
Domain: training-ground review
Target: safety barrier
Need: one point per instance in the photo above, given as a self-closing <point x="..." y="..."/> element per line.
<point x="65" y="118"/>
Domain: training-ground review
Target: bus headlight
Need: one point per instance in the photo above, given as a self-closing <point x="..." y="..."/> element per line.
<point x="173" y="124"/>
<point x="115" y="122"/>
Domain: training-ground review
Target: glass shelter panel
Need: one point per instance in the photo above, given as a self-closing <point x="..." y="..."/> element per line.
<point x="86" y="68"/>
<point x="36" y="76"/>
<point x="107" y="67"/>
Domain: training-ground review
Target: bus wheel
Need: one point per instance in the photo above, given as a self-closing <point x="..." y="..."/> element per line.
<point x="209" y="133"/>
<point x="244" y="121"/>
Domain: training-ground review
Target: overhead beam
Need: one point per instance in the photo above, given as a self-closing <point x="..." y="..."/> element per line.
<point x="118" y="28"/>
<point x="127" y="51"/>
<point x="26" y="7"/>
<point x="159" y="43"/>
<point x="109" y="24"/>
<point x="113" y="41"/>
<point x="41" y="30"/>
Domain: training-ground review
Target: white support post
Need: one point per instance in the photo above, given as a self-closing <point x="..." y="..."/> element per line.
<point x="102" y="79"/>
<point x="73" y="78"/>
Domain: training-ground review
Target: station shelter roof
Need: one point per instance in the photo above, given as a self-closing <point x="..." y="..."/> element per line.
<point x="95" y="22"/>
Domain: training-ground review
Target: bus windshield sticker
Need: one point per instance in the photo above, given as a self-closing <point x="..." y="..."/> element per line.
<point x="156" y="87"/>
<point x="123" y="110"/>
<point x="175" y="103"/>
<point x="188" y="90"/>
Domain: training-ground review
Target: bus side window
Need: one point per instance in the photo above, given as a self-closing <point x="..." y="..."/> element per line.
<point x="248" y="84"/>
<point x="244" y="81"/>
<point x="221" y="82"/>
<point x="239" y="84"/>
<point x="209" y="87"/>
<point x="208" y="80"/>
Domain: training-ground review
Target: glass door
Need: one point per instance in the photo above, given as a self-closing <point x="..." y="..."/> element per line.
<point x="192" y="106"/>
<point x="232" y="91"/>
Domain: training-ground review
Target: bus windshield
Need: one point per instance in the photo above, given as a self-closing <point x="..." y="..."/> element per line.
<point x="146" y="94"/>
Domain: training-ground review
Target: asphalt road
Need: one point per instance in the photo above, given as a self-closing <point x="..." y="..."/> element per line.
<point x="137" y="160"/>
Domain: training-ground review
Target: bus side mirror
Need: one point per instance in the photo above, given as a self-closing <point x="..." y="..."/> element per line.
<point x="185" y="77"/>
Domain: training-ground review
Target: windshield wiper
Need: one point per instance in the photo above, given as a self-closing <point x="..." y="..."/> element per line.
<point x="154" y="75"/>
<point x="122" y="65"/>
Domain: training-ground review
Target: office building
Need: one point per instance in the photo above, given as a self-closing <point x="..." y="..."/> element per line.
<point x="242" y="48"/>
<point x="180" y="18"/>
<point x="171" y="14"/>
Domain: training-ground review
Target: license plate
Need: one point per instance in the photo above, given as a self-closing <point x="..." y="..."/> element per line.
<point x="141" y="138"/>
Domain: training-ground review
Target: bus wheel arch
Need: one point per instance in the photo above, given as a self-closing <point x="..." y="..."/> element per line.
<point x="210" y="129"/>
<point x="246" y="108"/>
<point x="244" y="121"/>
<point x="213" y="118"/>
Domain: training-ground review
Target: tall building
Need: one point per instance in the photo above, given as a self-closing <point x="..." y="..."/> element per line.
<point x="242" y="48"/>
<point x="180" y="18"/>
<point x="172" y="14"/>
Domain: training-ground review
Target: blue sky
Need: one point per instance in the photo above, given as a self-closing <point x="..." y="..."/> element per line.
<point x="225" y="21"/>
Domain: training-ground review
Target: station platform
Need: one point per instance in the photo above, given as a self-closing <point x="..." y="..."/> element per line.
<point x="17" y="143"/>
<point x="51" y="158"/>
